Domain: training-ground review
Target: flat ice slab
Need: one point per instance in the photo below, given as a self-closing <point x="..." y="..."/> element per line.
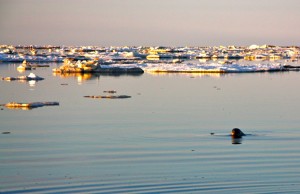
<point x="210" y="68"/>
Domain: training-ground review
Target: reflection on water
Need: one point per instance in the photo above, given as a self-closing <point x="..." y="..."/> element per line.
<point x="80" y="76"/>
<point x="236" y="140"/>
<point x="89" y="76"/>
<point x="31" y="83"/>
<point x="158" y="141"/>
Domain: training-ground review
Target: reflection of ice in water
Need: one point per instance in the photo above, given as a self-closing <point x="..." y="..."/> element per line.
<point x="79" y="80"/>
<point x="32" y="83"/>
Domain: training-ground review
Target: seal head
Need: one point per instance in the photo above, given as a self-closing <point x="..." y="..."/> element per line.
<point x="237" y="133"/>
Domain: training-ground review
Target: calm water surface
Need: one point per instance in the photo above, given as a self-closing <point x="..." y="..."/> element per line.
<point x="157" y="141"/>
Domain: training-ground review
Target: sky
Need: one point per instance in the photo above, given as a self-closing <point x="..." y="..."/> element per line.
<point x="150" y="23"/>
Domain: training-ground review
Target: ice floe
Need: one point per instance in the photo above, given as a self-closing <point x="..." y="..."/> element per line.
<point x="210" y="68"/>
<point x="156" y="59"/>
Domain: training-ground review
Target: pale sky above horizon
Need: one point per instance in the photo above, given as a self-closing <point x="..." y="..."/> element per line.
<point x="150" y="23"/>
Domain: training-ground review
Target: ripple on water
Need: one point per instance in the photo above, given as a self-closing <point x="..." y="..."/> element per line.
<point x="176" y="186"/>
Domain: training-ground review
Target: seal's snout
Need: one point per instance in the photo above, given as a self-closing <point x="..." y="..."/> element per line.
<point x="237" y="133"/>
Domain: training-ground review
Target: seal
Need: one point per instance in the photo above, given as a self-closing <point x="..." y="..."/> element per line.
<point x="237" y="133"/>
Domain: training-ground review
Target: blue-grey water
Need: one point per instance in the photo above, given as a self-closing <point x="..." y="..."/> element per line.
<point x="157" y="141"/>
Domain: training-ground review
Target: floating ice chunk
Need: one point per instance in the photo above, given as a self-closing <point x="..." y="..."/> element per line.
<point x="32" y="75"/>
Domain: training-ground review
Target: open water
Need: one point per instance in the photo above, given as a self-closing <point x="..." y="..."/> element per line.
<point x="157" y="141"/>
